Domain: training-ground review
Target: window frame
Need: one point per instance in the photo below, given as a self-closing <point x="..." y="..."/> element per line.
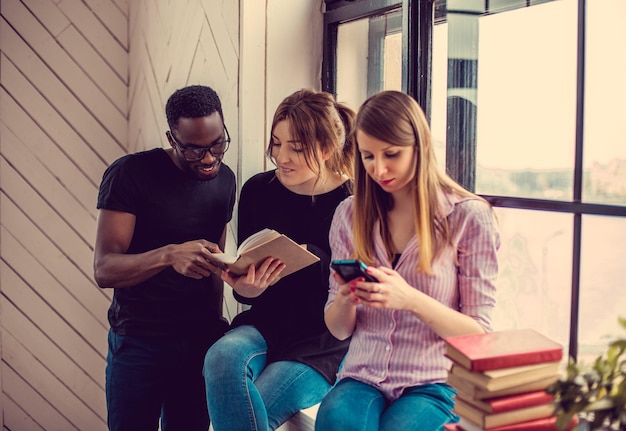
<point x="418" y="20"/>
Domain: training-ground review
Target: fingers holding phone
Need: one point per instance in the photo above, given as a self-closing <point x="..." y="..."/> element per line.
<point x="360" y="286"/>
<point x="349" y="269"/>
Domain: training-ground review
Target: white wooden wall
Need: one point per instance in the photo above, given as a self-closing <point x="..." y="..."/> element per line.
<point x="63" y="118"/>
<point x="83" y="82"/>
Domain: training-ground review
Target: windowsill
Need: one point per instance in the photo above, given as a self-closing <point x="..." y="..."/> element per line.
<point x="304" y="420"/>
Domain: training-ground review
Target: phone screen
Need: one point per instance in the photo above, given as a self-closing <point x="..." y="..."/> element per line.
<point x="349" y="269"/>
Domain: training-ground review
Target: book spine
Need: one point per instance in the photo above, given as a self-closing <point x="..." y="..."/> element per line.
<point x="516" y="360"/>
<point x="504" y="404"/>
<point x="545" y="424"/>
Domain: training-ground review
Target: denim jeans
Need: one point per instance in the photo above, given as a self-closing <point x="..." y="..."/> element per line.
<point x="245" y="393"/>
<point x="355" y="406"/>
<point x="152" y="377"/>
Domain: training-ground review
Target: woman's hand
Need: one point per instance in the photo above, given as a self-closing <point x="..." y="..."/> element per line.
<point x="345" y="297"/>
<point x="255" y="281"/>
<point x="391" y="291"/>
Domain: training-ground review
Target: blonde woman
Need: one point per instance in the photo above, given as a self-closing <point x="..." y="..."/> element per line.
<point x="432" y="247"/>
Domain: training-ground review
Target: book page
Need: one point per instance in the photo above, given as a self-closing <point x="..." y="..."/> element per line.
<point x="280" y="247"/>
<point x="255" y="239"/>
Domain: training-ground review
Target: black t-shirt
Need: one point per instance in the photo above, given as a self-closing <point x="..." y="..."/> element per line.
<point x="171" y="207"/>
<point x="290" y="314"/>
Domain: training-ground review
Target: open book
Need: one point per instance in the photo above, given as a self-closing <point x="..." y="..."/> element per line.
<point x="261" y="245"/>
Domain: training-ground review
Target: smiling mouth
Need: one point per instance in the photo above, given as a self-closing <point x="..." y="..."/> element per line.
<point x="208" y="168"/>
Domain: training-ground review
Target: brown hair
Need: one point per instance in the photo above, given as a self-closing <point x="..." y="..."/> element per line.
<point x="396" y="118"/>
<point x="317" y="121"/>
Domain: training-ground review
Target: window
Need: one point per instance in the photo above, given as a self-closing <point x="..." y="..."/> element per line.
<point x="524" y="101"/>
<point x="372" y="44"/>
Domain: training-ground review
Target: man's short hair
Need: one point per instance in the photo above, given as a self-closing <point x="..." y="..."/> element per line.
<point x="194" y="101"/>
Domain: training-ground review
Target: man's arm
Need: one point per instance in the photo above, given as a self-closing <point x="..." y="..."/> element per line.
<point x="113" y="267"/>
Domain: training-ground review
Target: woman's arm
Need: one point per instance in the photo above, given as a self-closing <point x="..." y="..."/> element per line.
<point x="340" y="315"/>
<point x="476" y="273"/>
<point x="341" y="306"/>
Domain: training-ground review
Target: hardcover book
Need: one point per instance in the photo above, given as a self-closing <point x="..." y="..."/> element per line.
<point x="472" y="391"/>
<point x="508" y="377"/>
<point x="502" y="349"/>
<point x="543" y="424"/>
<point x="261" y="245"/>
<point x="492" y="420"/>
<point x="509" y="402"/>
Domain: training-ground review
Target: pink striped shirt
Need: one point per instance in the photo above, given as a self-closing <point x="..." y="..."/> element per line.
<point x="393" y="350"/>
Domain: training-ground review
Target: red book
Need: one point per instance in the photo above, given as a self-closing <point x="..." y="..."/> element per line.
<point x="511" y="402"/>
<point x="545" y="424"/>
<point x="502" y="349"/>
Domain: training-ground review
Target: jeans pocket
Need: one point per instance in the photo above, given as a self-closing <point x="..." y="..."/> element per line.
<point x="115" y="342"/>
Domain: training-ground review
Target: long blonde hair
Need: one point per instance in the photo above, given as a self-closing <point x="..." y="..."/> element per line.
<point x="396" y="118"/>
<point x="316" y="119"/>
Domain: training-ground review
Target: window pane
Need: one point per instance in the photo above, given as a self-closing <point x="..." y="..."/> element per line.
<point x="605" y="143"/>
<point x="439" y="83"/>
<point x="393" y="62"/>
<point x="369" y="57"/>
<point x="352" y="62"/>
<point x="527" y="101"/>
<point x="602" y="278"/>
<point x="534" y="284"/>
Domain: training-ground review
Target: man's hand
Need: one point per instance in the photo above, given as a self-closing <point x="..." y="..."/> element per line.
<point x="191" y="258"/>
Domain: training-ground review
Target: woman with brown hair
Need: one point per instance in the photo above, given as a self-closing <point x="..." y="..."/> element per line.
<point x="280" y="357"/>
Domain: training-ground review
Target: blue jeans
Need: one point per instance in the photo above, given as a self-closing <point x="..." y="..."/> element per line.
<point x="152" y="377"/>
<point x="355" y="406"/>
<point x="245" y="393"/>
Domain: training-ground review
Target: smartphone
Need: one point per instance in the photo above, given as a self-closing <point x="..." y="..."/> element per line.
<point x="349" y="269"/>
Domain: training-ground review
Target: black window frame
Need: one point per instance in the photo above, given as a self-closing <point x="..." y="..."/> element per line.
<point x="419" y="18"/>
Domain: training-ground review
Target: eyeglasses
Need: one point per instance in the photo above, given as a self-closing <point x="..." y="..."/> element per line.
<point x="194" y="154"/>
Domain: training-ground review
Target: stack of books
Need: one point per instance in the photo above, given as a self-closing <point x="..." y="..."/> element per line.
<point x="501" y="377"/>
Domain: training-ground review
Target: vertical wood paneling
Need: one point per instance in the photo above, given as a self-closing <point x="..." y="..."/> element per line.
<point x="56" y="360"/>
<point x="63" y="119"/>
<point x="68" y="84"/>
<point x="83" y="82"/>
<point x="114" y="19"/>
<point x="100" y="37"/>
<point x="33" y="141"/>
<point x="50" y="387"/>
<point x="52" y="89"/>
<point x="73" y="250"/>
<point x="36" y="406"/>
<point x="46" y="319"/>
<point x="17" y="419"/>
<point x="45" y="184"/>
<point x="77" y="283"/>
<point x="50" y="293"/>
<point x="112" y="87"/>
